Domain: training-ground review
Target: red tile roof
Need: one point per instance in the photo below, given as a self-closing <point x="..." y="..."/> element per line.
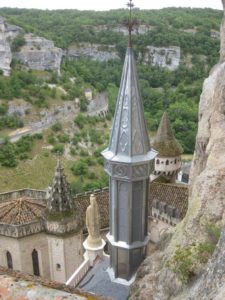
<point x="21" y="211"/>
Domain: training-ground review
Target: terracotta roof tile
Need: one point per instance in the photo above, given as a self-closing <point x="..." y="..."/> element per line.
<point x="172" y="194"/>
<point x="102" y="197"/>
<point x="25" y="210"/>
<point x="21" y="211"/>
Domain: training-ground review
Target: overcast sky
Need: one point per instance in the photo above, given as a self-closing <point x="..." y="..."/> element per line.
<point x="108" y="4"/>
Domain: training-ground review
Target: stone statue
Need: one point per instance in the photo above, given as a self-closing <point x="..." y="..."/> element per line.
<point x="93" y="224"/>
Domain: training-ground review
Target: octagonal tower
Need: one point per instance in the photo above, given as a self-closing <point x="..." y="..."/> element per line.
<point x="128" y="162"/>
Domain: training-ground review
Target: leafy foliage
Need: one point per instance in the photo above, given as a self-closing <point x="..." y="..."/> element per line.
<point x="18" y="42"/>
<point x="185" y="261"/>
<point x="11" y="152"/>
<point x="177" y="92"/>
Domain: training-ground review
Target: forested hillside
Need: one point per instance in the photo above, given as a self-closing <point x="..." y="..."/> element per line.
<point x="195" y="31"/>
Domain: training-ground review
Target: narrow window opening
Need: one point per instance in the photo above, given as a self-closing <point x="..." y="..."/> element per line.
<point x="35" y="262"/>
<point x="9" y="260"/>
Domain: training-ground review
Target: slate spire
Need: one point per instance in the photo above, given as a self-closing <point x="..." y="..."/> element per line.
<point x="129" y="135"/>
<point x="165" y="142"/>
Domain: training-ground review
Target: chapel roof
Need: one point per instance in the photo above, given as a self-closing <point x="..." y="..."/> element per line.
<point x="21" y="211"/>
<point x="165" y="142"/>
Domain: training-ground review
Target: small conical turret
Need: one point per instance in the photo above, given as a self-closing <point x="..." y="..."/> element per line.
<point x="165" y="142"/>
<point x="60" y="199"/>
<point x="168" y="160"/>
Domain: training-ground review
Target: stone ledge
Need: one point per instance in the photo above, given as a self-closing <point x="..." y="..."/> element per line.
<point x="35" y="280"/>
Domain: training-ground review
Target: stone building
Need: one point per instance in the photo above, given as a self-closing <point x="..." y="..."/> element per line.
<point x="24" y="228"/>
<point x="168" y="160"/>
<point x="39" y="236"/>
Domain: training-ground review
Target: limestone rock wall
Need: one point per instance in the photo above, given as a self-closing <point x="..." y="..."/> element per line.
<point x="93" y="51"/>
<point x="7" y="33"/>
<point x="40" y="54"/>
<point x="163" y="57"/>
<point x="211" y="285"/>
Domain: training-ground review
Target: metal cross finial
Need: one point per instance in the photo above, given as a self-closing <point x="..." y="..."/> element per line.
<point x="131" y="22"/>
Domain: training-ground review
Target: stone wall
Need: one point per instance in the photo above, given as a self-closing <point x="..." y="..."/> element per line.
<point x="62" y="227"/>
<point x="73" y="248"/>
<point x="65" y="255"/>
<point x="21" y="252"/>
<point x="18" y="285"/>
<point x="18" y="231"/>
<point x="23" y="193"/>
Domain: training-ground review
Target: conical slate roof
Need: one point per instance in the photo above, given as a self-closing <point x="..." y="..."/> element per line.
<point x="129" y="137"/>
<point x="60" y="198"/>
<point x="165" y="142"/>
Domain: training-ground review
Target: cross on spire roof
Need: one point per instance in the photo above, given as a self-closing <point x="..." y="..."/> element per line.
<point x="131" y="22"/>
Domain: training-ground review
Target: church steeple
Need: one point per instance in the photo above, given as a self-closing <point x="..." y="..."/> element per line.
<point x="129" y="135"/>
<point x="128" y="163"/>
<point x="60" y="199"/>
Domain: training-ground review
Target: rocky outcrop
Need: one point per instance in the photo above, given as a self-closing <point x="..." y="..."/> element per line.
<point x="140" y="29"/>
<point x="211" y="285"/>
<point x="18" y="107"/>
<point x="93" y="51"/>
<point x="40" y="54"/>
<point x="7" y="33"/>
<point x="162" y="57"/>
<point x="206" y="204"/>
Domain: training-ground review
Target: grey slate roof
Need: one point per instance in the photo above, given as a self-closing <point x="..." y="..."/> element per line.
<point x="129" y="137"/>
<point x="165" y="142"/>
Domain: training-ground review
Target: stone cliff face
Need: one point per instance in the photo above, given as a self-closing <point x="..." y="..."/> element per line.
<point x="206" y="203"/>
<point x="162" y="57"/>
<point x="7" y="33"/>
<point x="211" y="285"/>
<point x="93" y="51"/>
<point x="40" y="54"/>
